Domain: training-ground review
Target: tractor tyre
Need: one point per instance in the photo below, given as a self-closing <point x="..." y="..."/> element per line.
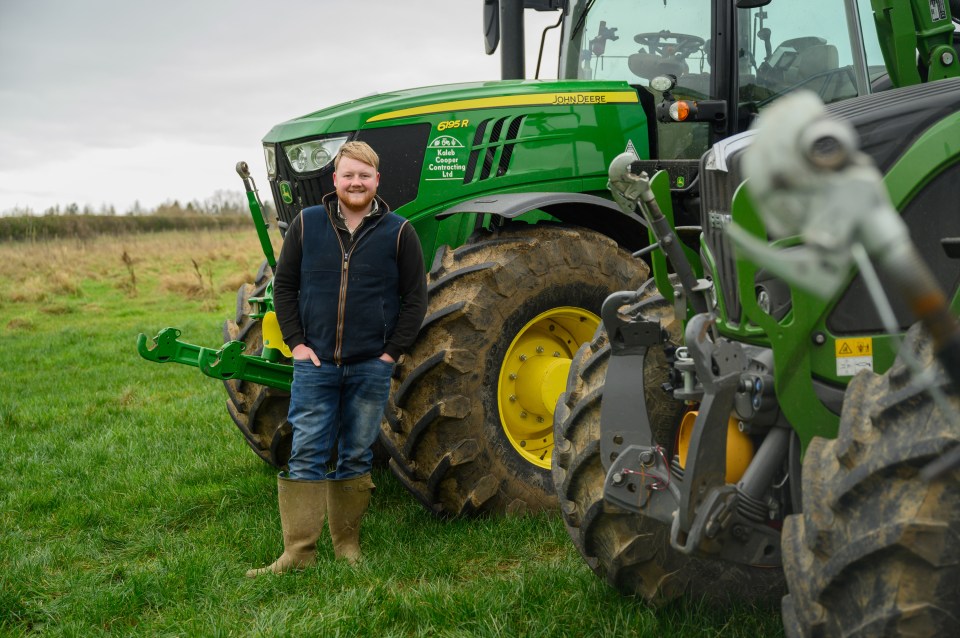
<point x="469" y="425"/>
<point x="259" y="411"/>
<point x="876" y="551"/>
<point x="632" y="552"/>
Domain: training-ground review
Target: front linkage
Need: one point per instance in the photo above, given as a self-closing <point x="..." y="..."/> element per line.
<point x="229" y="361"/>
<point x="705" y="512"/>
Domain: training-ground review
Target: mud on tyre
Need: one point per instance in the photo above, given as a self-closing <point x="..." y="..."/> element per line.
<point x="469" y="423"/>
<point x="260" y="412"/>
<point x="876" y="551"/>
<point x="631" y="552"/>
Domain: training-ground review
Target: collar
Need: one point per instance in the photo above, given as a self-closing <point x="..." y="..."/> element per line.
<point x="374" y="209"/>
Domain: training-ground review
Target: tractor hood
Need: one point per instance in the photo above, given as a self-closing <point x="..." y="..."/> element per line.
<point x="404" y="106"/>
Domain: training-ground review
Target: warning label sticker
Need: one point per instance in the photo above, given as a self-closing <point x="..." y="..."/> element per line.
<point x="853" y="355"/>
<point x="938" y="10"/>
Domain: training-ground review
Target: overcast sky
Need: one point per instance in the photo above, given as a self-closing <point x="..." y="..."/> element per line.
<point x="110" y="101"/>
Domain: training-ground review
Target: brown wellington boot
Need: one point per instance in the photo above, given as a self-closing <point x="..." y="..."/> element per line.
<point x="347" y="501"/>
<point x="303" y="506"/>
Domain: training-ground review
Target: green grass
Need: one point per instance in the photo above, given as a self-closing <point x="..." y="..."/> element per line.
<point x="130" y="505"/>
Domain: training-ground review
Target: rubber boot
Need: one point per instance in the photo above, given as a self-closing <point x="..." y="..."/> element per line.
<point x="303" y="507"/>
<point x="347" y="501"/>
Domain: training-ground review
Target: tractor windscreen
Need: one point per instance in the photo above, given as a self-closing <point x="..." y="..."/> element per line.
<point x="638" y="40"/>
<point x="786" y="46"/>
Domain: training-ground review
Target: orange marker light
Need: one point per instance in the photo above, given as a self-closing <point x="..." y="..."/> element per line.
<point x="680" y="110"/>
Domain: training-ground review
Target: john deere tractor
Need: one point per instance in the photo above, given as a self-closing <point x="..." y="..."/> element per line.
<point x="755" y="411"/>
<point x="505" y="183"/>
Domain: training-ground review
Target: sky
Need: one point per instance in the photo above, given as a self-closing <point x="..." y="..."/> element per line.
<point x="112" y="102"/>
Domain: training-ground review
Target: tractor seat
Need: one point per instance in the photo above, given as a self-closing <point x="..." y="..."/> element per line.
<point x="812" y="61"/>
<point x="649" y="65"/>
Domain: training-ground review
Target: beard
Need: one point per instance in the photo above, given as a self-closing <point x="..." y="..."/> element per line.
<point x="356" y="201"/>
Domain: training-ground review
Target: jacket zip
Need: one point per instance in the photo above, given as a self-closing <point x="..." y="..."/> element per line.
<point x="344" y="272"/>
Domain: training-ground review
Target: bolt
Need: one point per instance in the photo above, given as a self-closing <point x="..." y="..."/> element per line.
<point x="523" y="415"/>
<point x="947" y="58"/>
<point x="556" y="354"/>
<point x="523" y="357"/>
<point x="539" y="349"/>
<point x="617" y="478"/>
<point x="513" y="377"/>
<point x="513" y="397"/>
<point x="523" y="444"/>
<point x="647" y="458"/>
<point x="763" y="300"/>
<point x="819" y="338"/>
<point x="711" y="528"/>
<point x="539" y="419"/>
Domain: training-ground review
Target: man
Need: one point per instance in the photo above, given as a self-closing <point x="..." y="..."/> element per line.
<point x="350" y="295"/>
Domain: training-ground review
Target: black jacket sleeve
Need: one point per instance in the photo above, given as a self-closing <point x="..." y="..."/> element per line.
<point x="413" y="293"/>
<point x="286" y="285"/>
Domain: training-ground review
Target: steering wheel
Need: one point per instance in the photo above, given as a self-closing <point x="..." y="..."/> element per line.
<point x="678" y="44"/>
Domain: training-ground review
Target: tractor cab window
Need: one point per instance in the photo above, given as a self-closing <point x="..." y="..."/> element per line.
<point x="638" y="40"/>
<point x="785" y="46"/>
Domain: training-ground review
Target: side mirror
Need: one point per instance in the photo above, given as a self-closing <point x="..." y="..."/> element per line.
<point x="491" y="25"/>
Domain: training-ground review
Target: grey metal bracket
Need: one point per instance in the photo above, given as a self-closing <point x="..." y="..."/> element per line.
<point x="623" y="411"/>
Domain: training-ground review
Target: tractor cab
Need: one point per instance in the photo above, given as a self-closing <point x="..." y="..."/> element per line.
<point x="724" y="61"/>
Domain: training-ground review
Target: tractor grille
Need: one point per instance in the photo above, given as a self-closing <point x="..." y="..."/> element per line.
<point x="716" y="191"/>
<point x="492" y="148"/>
<point x="401" y="150"/>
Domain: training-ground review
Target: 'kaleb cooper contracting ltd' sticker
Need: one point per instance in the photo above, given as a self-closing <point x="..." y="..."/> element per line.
<point x="446" y="159"/>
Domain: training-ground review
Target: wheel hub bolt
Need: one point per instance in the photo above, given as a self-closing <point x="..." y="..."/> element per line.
<point x="539" y="349"/>
<point x="513" y="397"/>
<point x="523" y="357"/>
<point x="523" y="415"/>
<point x="513" y="376"/>
<point x="539" y="419"/>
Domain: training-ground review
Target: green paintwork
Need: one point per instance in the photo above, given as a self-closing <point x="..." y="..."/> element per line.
<point x="256" y="212"/>
<point x="559" y="148"/>
<point x="354" y="115"/>
<point x="229" y="362"/>
<point x="797" y="359"/>
<point x="904" y="28"/>
<point x="167" y="348"/>
<point x="660" y="185"/>
<point x="226" y="363"/>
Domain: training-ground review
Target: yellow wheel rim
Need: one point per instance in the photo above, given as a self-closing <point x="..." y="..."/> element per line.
<point x="533" y="374"/>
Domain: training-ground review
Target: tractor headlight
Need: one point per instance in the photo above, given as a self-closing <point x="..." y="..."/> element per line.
<point x="306" y="157"/>
<point x="270" y="155"/>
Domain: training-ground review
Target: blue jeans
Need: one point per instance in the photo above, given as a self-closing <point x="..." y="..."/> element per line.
<point x="330" y="401"/>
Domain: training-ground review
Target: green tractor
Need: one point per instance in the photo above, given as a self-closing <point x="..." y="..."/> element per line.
<point x="505" y="183"/>
<point x="756" y="413"/>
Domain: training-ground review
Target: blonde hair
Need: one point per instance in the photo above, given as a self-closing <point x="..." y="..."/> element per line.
<point x="359" y="151"/>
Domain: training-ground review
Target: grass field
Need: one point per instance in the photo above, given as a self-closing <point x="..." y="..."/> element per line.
<point x="130" y="505"/>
